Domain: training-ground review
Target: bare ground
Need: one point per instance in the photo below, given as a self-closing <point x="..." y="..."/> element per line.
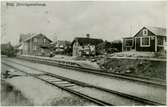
<point x="137" y="67"/>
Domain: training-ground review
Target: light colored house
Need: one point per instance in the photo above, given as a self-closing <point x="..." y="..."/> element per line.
<point x="30" y="44"/>
<point x="85" y="46"/>
<point x="147" y="39"/>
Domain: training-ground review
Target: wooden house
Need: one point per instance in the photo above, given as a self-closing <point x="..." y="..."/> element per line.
<point x="31" y="44"/>
<point x="84" y="45"/>
<point x="148" y="39"/>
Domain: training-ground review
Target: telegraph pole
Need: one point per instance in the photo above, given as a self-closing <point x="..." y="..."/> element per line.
<point x="88" y="36"/>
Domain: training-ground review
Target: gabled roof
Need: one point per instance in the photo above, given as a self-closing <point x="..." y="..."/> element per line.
<point x="86" y="41"/>
<point x="25" y="37"/>
<point x="31" y="36"/>
<point x="157" y="30"/>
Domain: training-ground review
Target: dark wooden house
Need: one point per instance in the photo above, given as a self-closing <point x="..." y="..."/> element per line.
<point x="148" y="39"/>
<point x="31" y="44"/>
<point x="84" y="45"/>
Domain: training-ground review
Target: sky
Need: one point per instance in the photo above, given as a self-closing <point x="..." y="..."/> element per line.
<point x="109" y="20"/>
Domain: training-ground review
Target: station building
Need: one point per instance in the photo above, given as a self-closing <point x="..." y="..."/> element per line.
<point x="30" y="44"/>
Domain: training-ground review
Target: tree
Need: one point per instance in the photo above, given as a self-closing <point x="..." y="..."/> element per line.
<point x="103" y="47"/>
<point x="8" y="49"/>
<point x="117" y="44"/>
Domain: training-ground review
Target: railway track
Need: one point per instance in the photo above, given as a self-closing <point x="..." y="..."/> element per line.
<point x="77" y="67"/>
<point x="62" y="84"/>
<point x="80" y="88"/>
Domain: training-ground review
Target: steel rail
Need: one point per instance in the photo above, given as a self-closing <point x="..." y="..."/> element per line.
<point x="101" y="72"/>
<point x="97" y="101"/>
<point x="146" y="78"/>
<point x="149" y="102"/>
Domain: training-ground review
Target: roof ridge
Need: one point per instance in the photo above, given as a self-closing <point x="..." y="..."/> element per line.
<point x="155" y="27"/>
<point x="157" y="30"/>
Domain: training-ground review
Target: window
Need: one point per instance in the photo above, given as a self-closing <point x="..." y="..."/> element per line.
<point x="35" y="39"/>
<point x="44" y="40"/>
<point x="145" y="32"/>
<point x="160" y="41"/>
<point x="145" y="41"/>
<point x="34" y="47"/>
<point x="129" y="42"/>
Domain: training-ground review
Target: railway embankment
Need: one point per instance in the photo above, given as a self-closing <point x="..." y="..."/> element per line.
<point x="153" y="68"/>
<point x="135" y="67"/>
<point x="146" y="65"/>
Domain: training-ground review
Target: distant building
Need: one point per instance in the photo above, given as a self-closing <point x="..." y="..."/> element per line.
<point x="60" y="45"/>
<point x="148" y="39"/>
<point x="85" y="45"/>
<point x="30" y="44"/>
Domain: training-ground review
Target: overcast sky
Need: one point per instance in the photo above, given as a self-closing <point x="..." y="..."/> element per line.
<point x="106" y="20"/>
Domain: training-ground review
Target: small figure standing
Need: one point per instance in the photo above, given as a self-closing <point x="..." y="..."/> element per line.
<point x="51" y="54"/>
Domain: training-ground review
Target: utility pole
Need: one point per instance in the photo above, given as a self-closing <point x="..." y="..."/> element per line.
<point x="88" y="36"/>
<point x="130" y="29"/>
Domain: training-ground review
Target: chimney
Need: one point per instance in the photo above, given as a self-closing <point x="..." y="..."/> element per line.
<point x="88" y="35"/>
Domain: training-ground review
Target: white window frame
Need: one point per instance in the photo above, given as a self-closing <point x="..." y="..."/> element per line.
<point x="141" y="41"/>
<point x="162" y="44"/>
<point x="129" y="39"/>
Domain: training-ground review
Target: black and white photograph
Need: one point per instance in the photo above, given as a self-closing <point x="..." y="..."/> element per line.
<point x="83" y="53"/>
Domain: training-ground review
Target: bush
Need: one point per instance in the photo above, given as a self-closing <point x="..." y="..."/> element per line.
<point x="8" y="50"/>
<point x="117" y="44"/>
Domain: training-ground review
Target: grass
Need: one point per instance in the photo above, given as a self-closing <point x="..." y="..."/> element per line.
<point x="12" y="97"/>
